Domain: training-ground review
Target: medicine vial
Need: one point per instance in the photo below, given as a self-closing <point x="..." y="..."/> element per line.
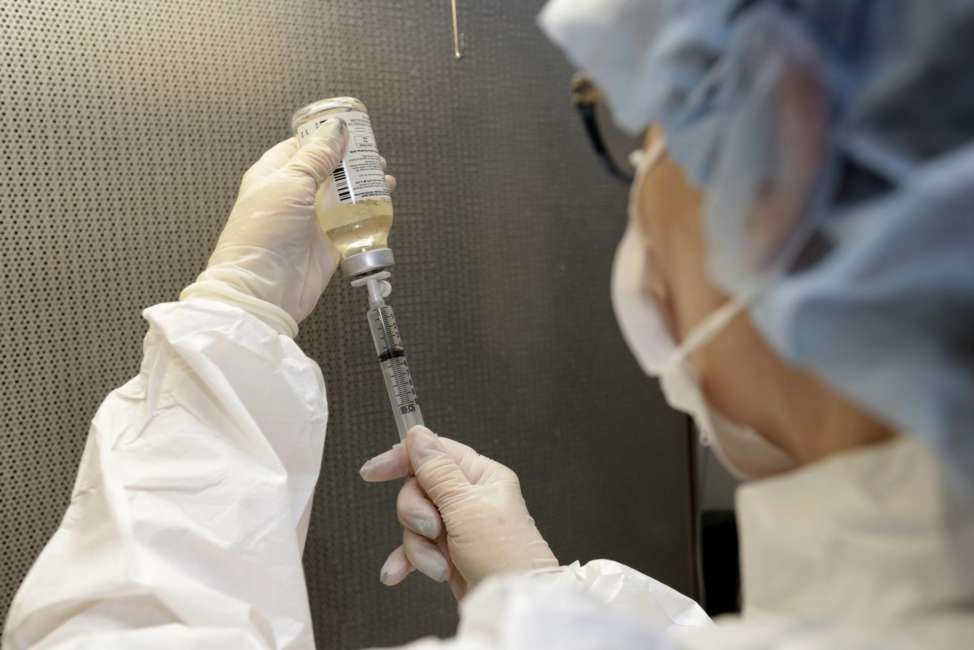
<point x="353" y="205"/>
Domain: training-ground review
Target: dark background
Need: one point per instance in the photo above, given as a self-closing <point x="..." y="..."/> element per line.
<point x="124" y="129"/>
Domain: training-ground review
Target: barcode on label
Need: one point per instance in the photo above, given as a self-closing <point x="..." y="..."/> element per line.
<point x="341" y="185"/>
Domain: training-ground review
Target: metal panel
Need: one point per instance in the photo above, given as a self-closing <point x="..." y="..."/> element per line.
<point x="125" y="129"/>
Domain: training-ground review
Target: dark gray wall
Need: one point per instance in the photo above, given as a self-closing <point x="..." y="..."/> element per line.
<point x="124" y="128"/>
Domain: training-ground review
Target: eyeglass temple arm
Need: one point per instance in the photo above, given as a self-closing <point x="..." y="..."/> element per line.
<point x="585" y="97"/>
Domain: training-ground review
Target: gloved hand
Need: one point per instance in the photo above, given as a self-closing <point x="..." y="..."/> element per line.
<point x="272" y="258"/>
<point x="463" y="514"/>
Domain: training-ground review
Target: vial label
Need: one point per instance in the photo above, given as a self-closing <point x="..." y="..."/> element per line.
<point x="360" y="176"/>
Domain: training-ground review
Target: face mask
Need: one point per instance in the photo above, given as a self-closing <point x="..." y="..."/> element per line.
<point x="743" y="451"/>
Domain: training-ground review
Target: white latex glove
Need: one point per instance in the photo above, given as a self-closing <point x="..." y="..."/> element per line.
<point x="272" y="258"/>
<point x="463" y="514"/>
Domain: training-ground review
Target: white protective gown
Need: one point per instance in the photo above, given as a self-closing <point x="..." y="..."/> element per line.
<point x="190" y="510"/>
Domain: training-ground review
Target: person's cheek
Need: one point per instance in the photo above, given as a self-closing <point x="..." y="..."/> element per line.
<point x="801" y="129"/>
<point x="683" y="284"/>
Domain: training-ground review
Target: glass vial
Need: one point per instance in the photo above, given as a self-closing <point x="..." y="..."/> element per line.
<point x="353" y="205"/>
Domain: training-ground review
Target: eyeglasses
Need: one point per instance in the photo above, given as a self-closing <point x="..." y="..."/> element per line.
<point x="586" y="98"/>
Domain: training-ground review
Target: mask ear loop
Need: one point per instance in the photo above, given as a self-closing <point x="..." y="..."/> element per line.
<point x="714" y="323"/>
<point x="643" y="161"/>
<point x="586" y="97"/>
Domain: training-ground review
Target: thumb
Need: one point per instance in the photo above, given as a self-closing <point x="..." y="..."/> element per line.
<point x="436" y="470"/>
<point x="321" y="153"/>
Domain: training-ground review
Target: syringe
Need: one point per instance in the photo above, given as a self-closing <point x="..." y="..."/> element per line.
<point x="392" y="356"/>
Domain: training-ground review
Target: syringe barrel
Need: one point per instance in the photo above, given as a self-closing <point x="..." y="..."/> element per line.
<point x="402" y="395"/>
<point x="395" y="369"/>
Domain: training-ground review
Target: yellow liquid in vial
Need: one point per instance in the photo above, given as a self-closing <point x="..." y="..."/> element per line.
<point x="357" y="227"/>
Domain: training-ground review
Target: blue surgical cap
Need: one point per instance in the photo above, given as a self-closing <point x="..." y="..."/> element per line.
<point x="834" y="143"/>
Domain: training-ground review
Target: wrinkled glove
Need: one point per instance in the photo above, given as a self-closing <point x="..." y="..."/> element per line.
<point x="273" y="259"/>
<point x="463" y="514"/>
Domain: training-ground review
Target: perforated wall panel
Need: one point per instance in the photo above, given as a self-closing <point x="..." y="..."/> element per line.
<point x="124" y="129"/>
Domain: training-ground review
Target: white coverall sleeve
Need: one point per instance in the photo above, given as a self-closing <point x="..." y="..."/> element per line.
<point x="602" y="604"/>
<point x="191" y="505"/>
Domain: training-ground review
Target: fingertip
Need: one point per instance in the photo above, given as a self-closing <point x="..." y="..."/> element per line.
<point x="420" y="444"/>
<point x="286" y="147"/>
<point x="458" y="587"/>
<point x="395" y="569"/>
<point x="391" y="183"/>
<point x="331" y="130"/>
<point x="274" y="158"/>
<point x="419" y="433"/>
<point x="416" y="512"/>
<point x="425" y="557"/>
<point x="321" y="152"/>
<point x="387" y="466"/>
